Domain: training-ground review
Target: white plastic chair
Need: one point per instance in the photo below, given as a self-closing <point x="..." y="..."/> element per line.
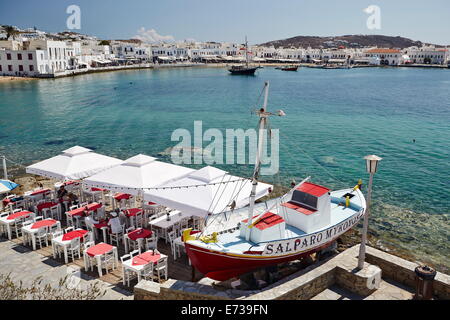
<point x="68" y="229"/>
<point x="128" y="274"/>
<point x="54" y="228"/>
<point x="17" y="226"/>
<point x="171" y="237"/>
<point x="147" y="272"/>
<point x="161" y="268"/>
<point x="151" y="243"/>
<point x="91" y="260"/>
<point x="116" y="237"/>
<point x="55" y="212"/>
<point x="2" y="226"/>
<point x="184" y="223"/>
<point x="41" y="237"/>
<point x="134" y="253"/>
<point x="70" y="221"/>
<point x="108" y="261"/>
<point x="74" y="248"/>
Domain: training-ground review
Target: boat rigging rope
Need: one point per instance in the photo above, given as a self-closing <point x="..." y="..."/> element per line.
<point x="243" y="182"/>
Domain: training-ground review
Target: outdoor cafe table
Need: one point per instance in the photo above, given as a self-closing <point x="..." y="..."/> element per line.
<point x="137" y="263"/>
<point x="37" y="194"/>
<point x="136" y="235"/>
<point x="119" y="197"/>
<point x="64" y="241"/>
<point x="102" y="225"/>
<point x="80" y="211"/>
<point x="95" y="193"/>
<point x="11" y="219"/>
<point x="46" y="205"/>
<point x="70" y="185"/>
<point x="31" y="229"/>
<point x="164" y="225"/>
<point x="8" y="201"/>
<point x="96" y="252"/>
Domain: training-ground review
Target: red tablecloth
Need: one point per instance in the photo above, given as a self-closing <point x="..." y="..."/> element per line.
<point x="46" y="205"/>
<point x="74" y="234"/>
<point x="97" y="189"/>
<point x="43" y="223"/>
<point x="152" y="203"/>
<point x="39" y="192"/>
<point x="132" y="212"/>
<point x="79" y="211"/>
<point x="145" y="258"/>
<point x="99" y="249"/>
<point x="6" y="202"/>
<point x="139" y="234"/>
<point x="122" y="196"/>
<point x="67" y="183"/>
<point x="19" y="214"/>
<point x="101" y="224"/>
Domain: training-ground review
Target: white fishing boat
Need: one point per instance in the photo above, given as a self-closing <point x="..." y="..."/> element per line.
<point x="307" y="219"/>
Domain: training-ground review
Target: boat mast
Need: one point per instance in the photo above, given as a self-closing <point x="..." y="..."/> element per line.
<point x="262" y="126"/>
<point x="246" y="51"/>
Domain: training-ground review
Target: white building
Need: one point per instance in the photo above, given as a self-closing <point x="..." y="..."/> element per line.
<point x="379" y="56"/>
<point x="58" y="54"/>
<point x="427" y="55"/>
<point x="23" y="62"/>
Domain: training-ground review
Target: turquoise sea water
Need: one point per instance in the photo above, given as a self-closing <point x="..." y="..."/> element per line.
<point x="334" y="118"/>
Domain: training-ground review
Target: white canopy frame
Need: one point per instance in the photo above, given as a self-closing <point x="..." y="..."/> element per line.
<point x="205" y="192"/>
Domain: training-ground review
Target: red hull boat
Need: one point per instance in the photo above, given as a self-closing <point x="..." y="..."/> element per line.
<point x="305" y="220"/>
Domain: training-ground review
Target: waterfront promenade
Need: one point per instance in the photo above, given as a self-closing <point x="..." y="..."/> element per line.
<point x="71" y="73"/>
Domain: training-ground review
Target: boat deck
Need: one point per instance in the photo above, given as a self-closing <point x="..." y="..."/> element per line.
<point x="232" y="242"/>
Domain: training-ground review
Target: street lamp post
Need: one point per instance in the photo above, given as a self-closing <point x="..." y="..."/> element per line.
<point x="371" y="166"/>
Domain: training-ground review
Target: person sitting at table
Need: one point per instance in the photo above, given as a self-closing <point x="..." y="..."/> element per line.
<point x="73" y="198"/>
<point x="89" y="220"/>
<point x="122" y="216"/>
<point x="114" y="222"/>
<point x="62" y="192"/>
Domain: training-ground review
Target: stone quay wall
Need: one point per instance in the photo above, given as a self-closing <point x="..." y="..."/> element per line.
<point x="304" y="284"/>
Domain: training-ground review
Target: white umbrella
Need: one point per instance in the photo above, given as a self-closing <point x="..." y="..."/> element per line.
<point x="137" y="173"/>
<point x="74" y="163"/>
<point x="211" y="191"/>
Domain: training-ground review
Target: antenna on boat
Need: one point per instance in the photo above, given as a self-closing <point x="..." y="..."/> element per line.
<point x="246" y="51"/>
<point x="263" y="115"/>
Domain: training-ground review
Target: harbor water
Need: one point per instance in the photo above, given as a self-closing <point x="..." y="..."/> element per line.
<point x="334" y="118"/>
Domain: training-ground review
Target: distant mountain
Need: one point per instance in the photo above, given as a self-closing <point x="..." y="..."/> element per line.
<point x="348" y="41"/>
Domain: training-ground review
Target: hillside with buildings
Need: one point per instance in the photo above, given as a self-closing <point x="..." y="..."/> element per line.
<point x="34" y="53"/>
<point x="348" y="41"/>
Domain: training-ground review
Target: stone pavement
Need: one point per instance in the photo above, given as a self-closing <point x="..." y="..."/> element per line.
<point x="26" y="265"/>
<point x="388" y="290"/>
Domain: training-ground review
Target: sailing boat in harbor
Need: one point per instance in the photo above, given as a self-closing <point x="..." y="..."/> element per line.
<point x="244" y="69"/>
<point x="307" y="219"/>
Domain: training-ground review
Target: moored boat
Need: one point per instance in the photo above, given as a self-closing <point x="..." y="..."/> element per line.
<point x="307" y="219"/>
<point x="289" y="68"/>
<point x="244" y="69"/>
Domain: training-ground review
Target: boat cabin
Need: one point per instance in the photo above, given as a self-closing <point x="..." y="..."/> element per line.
<point x="309" y="208"/>
<point x="267" y="227"/>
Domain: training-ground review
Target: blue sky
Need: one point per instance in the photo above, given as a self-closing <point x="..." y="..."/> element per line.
<point x="231" y="20"/>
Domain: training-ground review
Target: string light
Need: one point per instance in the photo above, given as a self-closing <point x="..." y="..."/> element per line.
<point x="154" y="188"/>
